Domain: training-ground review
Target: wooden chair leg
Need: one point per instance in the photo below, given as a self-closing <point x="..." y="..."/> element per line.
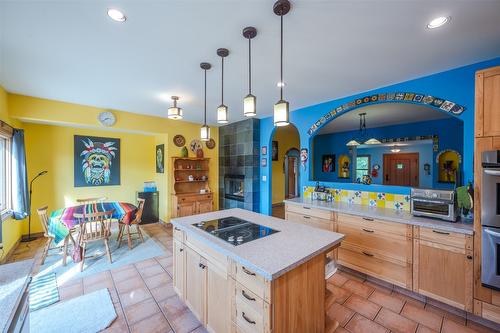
<point x="83" y="256"/>
<point x="65" y="249"/>
<point x="46" y="250"/>
<point x="139" y="232"/>
<point x="108" y="251"/>
<point x="129" y="239"/>
<point x="120" y="232"/>
<point x="120" y="235"/>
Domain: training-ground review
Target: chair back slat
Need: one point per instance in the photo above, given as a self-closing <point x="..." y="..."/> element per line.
<point x="89" y="201"/>
<point x="140" y="209"/>
<point x="44" y="219"/>
<point x="94" y="226"/>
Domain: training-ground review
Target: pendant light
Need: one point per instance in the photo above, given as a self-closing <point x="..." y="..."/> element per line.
<point x="281" y="108"/>
<point x="174" y="112"/>
<point x="250" y="101"/>
<point x="362" y="133"/>
<point x="371" y="141"/>
<point x="222" y="109"/>
<point x="205" y="130"/>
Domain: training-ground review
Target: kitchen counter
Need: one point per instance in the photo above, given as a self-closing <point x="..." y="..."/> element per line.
<point x="271" y="256"/>
<point x="384" y="214"/>
<point x="13" y="281"/>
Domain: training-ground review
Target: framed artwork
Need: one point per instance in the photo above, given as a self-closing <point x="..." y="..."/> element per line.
<point x="264" y="150"/>
<point x="96" y="161"/>
<point x="304" y="156"/>
<point x="263" y="162"/>
<point x="160" y="158"/>
<point x="274" y="152"/>
<point x="328" y="164"/>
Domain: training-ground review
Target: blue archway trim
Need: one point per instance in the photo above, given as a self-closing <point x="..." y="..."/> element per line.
<point x="398" y="97"/>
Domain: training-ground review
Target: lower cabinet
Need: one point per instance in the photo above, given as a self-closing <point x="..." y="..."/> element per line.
<point x="191" y="204"/>
<point x="196" y="279"/>
<point x="179" y="262"/>
<point x="218" y="300"/>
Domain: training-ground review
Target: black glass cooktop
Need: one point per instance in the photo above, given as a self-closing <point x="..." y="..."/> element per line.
<point x="234" y="230"/>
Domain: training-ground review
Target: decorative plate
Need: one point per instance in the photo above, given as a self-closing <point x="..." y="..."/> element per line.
<point x="195" y="145"/>
<point x="210" y="144"/>
<point x="179" y="140"/>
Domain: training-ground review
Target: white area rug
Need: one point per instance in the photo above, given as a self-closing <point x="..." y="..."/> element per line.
<point x="96" y="260"/>
<point x="85" y="314"/>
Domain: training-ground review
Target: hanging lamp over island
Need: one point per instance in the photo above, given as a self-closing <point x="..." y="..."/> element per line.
<point x="205" y="130"/>
<point x="222" y="111"/>
<point x="174" y="112"/>
<point x="250" y="101"/>
<point x="281" y="108"/>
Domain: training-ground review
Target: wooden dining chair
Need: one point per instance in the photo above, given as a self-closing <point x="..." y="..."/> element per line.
<point x="136" y="222"/>
<point x="94" y="227"/>
<point x="44" y="219"/>
<point x="89" y="201"/>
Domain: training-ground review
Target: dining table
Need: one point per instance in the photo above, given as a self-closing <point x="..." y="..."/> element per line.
<point x="62" y="220"/>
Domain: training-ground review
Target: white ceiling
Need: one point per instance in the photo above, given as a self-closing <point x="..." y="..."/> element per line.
<point x="71" y="51"/>
<point x="385" y="114"/>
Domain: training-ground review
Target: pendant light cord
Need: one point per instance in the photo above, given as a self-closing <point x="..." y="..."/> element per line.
<point x="249" y="65"/>
<point x="281" y="74"/>
<point x="205" y="119"/>
<point x="222" y="90"/>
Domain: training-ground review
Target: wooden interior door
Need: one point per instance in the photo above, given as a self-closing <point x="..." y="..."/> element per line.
<point x="401" y="169"/>
<point x="291" y="177"/>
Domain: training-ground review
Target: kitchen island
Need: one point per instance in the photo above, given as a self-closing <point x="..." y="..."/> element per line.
<point x="269" y="276"/>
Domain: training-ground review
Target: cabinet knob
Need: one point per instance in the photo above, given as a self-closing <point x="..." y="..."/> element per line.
<point x="202" y="266"/>
<point x="180" y="250"/>
<point x="469" y="257"/>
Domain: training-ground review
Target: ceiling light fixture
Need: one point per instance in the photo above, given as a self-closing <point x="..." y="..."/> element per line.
<point x="174" y="112"/>
<point x="222" y="109"/>
<point x="116" y="15"/>
<point x="438" y="22"/>
<point x="395" y="149"/>
<point x="205" y="130"/>
<point x="362" y="133"/>
<point x="250" y="101"/>
<point x="281" y="108"/>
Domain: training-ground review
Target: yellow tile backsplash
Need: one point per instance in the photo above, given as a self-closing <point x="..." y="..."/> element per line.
<point x="367" y="198"/>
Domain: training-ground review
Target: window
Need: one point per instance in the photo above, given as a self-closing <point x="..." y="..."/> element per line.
<point x="362" y="166"/>
<point x="4" y="172"/>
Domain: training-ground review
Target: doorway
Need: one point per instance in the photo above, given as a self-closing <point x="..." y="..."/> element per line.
<point x="401" y="169"/>
<point x="292" y="173"/>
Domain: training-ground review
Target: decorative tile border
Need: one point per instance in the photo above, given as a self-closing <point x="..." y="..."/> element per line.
<point x="366" y="198"/>
<point x="409" y="97"/>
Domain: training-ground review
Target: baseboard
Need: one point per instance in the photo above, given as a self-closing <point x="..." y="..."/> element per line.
<point x="35" y="235"/>
<point x="11" y="251"/>
<point x="279" y="204"/>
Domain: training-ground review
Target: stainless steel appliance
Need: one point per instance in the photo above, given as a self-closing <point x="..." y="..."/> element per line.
<point x="441" y="204"/>
<point x="234" y="230"/>
<point x="490" y="219"/>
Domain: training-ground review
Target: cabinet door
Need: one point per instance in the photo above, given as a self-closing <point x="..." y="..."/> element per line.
<point x="488" y="102"/>
<point x="218" y="300"/>
<point x="186" y="209"/>
<point x="179" y="268"/>
<point x="195" y="283"/>
<point x="204" y="206"/>
<point x="444" y="273"/>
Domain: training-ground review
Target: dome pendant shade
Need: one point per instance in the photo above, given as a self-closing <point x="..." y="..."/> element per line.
<point x="250" y="106"/>
<point x="372" y="141"/>
<point x="222" y="114"/>
<point x="205" y="133"/>
<point x="352" y="143"/>
<point x="281" y="113"/>
<point x="174" y="112"/>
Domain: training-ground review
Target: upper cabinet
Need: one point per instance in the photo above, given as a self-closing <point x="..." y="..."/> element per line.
<point x="488" y="102"/>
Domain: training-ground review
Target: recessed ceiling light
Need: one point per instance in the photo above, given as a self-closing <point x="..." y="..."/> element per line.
<point x="280" y="84"/>
<point x="116" y="15"/>
<point x="438" y="22"/>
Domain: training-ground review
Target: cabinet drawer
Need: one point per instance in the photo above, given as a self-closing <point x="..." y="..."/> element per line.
<point x="249" y="320"/>
<point x="244" y="295"/>
<point x="215" y="257"/>
<point x="178" y="234"/>
<point x="385" y="244"/>
<point x="398" y="273"/>
<point x="194" y="198"/>
<point x="374" y="224"/>
<point x="252" y="281"/>
<point x="309" y="220"/>
<point x="308" y="211"/>
<point x="444" y="237"/>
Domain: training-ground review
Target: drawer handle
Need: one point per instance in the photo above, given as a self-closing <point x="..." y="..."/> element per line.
<point x="441" y="232"/>
<point x="177" y="229"/>
<point x="367" y="219"/>
<point x="180" y="250"/>
<point x="306" y="207"/>
<point x="367" y="254"/>
<point x="248" y="297"/>
<point x="367" y="230"/>
<point x="247" y="271"/>
<point x="306" y="217"/>
<point x="202" y="266"/>
<point x="246" y="318"/>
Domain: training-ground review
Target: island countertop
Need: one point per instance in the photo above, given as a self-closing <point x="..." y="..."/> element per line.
<point x="271" y="256"/>
<point x="384" y="214"/>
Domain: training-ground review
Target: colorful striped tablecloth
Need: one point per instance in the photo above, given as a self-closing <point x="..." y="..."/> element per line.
<point x="61" y="220"/>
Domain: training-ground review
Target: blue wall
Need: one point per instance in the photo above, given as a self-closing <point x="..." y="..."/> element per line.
<point x="449" y="131"/>
<point x="456" y="85"/>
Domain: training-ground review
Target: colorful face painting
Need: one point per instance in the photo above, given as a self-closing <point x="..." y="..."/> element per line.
<point x="303" y="157"/>
<point x="97" y="161"/>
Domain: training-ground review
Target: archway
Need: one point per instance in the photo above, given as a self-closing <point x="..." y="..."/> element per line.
<point x="284" y="148"/>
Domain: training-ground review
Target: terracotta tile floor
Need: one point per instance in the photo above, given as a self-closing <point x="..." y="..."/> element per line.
<point x="145" y="301"/>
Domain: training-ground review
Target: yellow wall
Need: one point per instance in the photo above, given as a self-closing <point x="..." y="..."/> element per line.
<point x="11" y="229"/>
<point x="287" y="137"/>
<point x="49" y="129"/>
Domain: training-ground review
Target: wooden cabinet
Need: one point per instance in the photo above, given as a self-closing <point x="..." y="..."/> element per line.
<point x="192" y="204"/>
<point x="488" y="102"/>
<point x="204" y="206"/>
<point x="179" y="267"/>
<point x="443" y="267"/>
<point x="196" y="276"/>
<point x="218" y="304"/>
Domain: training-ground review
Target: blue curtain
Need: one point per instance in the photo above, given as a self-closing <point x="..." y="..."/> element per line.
<point x="20" y="194"/>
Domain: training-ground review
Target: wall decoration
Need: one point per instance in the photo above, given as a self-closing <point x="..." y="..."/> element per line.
<point x="344" y="167"/>
<point x="304" y="155"/>
<point x="96" y="161"/>
<point x="274" y="152"/>
<point x="160" y="158"/>
<point x="405" y="97"/>
<point x="210" y="143"/>
<point x="263" y="162"/>
<point x="179" y="140"/>
<point x="328" y="163"/>
<point x="264" y="150"/>
<point x="448" y="166"/>
<point x="195" y="145"/>
<point x="184" y="152"/>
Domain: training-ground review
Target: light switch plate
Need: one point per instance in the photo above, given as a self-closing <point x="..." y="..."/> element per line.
<point x="264" y="178"/>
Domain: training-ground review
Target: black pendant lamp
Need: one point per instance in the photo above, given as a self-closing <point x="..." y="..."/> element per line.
<point x="205" y="130"/>
<point x="281" y="108"/>
<point x="250" y="101"/>
<point x="222" y="109"/>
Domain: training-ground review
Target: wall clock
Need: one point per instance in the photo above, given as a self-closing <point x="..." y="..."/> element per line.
<point x="107" y="118"/>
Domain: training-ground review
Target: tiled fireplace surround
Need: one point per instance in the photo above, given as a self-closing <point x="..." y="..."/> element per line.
<point x="239" y="156"/>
